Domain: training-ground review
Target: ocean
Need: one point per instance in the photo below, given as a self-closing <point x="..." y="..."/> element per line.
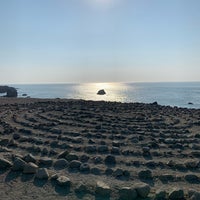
<point x="173" y="94"/>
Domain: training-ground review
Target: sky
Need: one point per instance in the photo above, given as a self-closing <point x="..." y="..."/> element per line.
<point x="75" y="41"/>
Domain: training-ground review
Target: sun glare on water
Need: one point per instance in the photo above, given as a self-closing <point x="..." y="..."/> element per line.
<point x="114" y="91"/>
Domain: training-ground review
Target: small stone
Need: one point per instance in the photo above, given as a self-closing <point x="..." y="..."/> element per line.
<point x="54" y="177"/>
<point x="61" y="163"/>
<point x="4" y="164"/>
<point x="143" y="190"/>
<point x="18" y="164"/>
<point x="145" y="174"/>
<point x="71" y="156"/>
<point x="127" y="193"/>
<point x="95" y="171"/>
<point x="191" y="164"/>
<point x="30" y="158"/>
<point x="91" y="149"/>
<point x="45" y="161"/>
<point x="192" y="178"/>
<point x="115" y="150"/>
<point x="81" y="188"/>
<point x="42" y="174"/>
<point x="116" y="143"/>
<point x="118" y="172"/>
<point x="109" y="171"/>
<point x="84" y="158"/>
<point x="63" y="181"/>
<point x="176" y="194"/>
<point x="16" y="136"/>
<point x="30" y="168"/>
<point x="110" y="160"/>
<point x="84" y="167"/>
<point x="56" y="131"/>
<point x="166" y="177"/>
<point x="75" y="164"/>
<point x="97" y="160"/>
<point x="63" y="154"/>
<point x="45" y="151"/>
<point x="103" y="149"/>
<point x="160" y="195"/>
<point x="102" y="189"/>
<point x="193" y="195"/>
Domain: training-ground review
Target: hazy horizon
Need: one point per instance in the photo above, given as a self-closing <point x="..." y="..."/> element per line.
<point x="86" y="41"/>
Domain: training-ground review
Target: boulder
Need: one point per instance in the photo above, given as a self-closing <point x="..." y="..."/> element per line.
<point x="101" y="92"/>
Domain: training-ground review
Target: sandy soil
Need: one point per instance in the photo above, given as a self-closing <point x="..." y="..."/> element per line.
<point x="120" y="144"/>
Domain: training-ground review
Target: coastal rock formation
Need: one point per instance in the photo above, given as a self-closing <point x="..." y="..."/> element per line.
<point x="10" y="91"/>
<point x="101" y="92"/>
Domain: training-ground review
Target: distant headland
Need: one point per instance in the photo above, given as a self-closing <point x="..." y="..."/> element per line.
<point x="10" y="91"/>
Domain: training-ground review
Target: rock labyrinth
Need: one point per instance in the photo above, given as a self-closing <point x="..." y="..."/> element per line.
<point x="106" y="149"/>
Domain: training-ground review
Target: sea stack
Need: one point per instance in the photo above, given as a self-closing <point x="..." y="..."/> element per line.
<point x="101" y="92"/>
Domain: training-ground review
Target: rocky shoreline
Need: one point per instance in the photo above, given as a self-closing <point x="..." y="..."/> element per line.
<point x="76" y="149"/>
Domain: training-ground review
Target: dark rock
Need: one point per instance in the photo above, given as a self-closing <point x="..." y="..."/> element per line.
<point x="81" y="189"/>
<point x="90" y="149"/>
<point x="103" y="149"/>
<point x="63" y="181"/>
<point x="4" y="164"/>
<point x="143" y="190"/>
<point x="71" y="156"/>
<point x="176" y="194"/>
<point x="18" y="164"/>
<point x="45" y="161"/>
<point x="101" y="92"/>
<point x="30" y="158"/>
<point x="30" y="168"/>
<point x="63" y="154"/>
<point x="127" y="193"/>
<point x="110" y="160"/>
<point x="160" y="195"/>
<point x="84" y="167"/>
<point x="192" y="178"/>
<point x="42" y="174"/>
<point x="97" y="160"/>
<point x="145" y="174"/>
<point x="10" y="91"/>
<point x="61" y="163"/>
<point x="95" y="171"/>
<point x="75" y="164"/>
<point x="118" y="172"/>
<point x="102" y="189"/>
<point x="84" y="158"/>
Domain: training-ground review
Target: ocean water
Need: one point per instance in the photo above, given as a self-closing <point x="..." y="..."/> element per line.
<point x="173" y="94"/>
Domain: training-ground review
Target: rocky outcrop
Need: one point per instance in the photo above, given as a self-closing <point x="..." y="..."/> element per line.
<point x="101" y="92"/>
<point x="10" y="91"/>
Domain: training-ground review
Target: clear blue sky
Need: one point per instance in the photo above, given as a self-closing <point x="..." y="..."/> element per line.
<point x="44" y="41"/>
